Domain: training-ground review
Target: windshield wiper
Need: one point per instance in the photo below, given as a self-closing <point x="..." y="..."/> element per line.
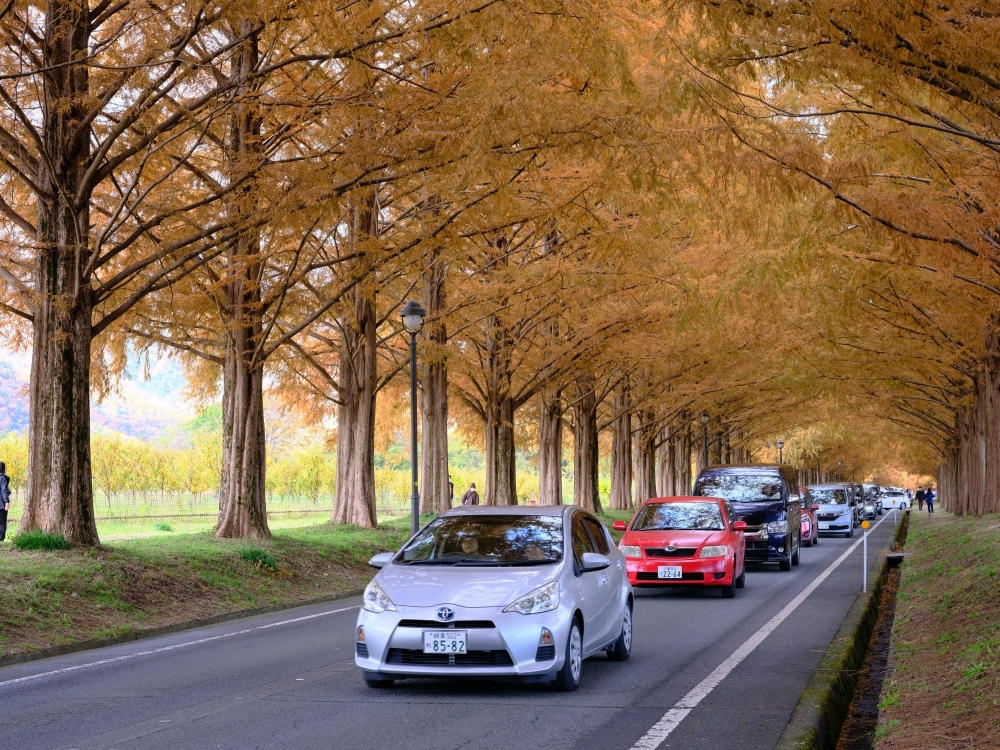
<point x="435" y="561"/>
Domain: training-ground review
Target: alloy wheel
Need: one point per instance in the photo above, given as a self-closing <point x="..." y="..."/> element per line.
<point x="575" y="653"/>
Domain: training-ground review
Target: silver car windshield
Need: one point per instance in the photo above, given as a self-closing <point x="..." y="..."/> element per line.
<point x="828" y="497"/>
<point x="680" y="516"/>
<point x="740" y="488"/>
<point x="486" y="541"/>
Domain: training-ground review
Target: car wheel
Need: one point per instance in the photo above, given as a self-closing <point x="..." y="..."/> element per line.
<point x="377" y="683"/>
<point x="785" y="564"/>
<point x="850" y="533"/>
<point x="569" y="676"/>
<point x="808" y="543"/>
<point x="742" y="580"/>
<point x="795" y="556"/>
<point x="815" y="539"/>
<point x="622" y="649"/>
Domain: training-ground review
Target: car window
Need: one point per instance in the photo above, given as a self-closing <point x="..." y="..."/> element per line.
<point x="486" y="540"/>
<point x="597" y="534"/>
<point x="688" y="516"/>
<point x="581" y="539"/>
<point x="740" y="488"/>
<point x="828" y="497"/>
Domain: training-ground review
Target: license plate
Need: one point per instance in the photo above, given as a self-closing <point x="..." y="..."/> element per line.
<point x="824" y="525"/>
<point x="668" y="571"/>
<point x="445" y="641"/>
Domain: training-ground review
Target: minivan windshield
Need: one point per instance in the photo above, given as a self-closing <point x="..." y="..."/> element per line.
<point x="740" y="488"/>
<point x="828" y="497"/>
<point x="486" y="541"/>
<point x="686" y="516"/>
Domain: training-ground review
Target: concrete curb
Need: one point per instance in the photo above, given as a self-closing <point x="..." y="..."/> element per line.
<point x="179" y="627"/>
<point x="823" y="706"/>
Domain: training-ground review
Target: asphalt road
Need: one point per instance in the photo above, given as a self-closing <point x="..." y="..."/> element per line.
<point x="288" y="680"/>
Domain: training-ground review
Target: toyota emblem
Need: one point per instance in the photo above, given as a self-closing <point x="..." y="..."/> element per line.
<point x="445" y="614"/>
<point x="671" y="548"/>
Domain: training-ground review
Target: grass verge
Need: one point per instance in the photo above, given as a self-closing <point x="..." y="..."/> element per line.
<point x="50" y="599"/>
<point x="944" y="685"/>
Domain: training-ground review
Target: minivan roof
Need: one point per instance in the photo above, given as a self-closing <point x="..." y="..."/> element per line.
<point x="744" y="468"/>
<point x="836" y="486"/>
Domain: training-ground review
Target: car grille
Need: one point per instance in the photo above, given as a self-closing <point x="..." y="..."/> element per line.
<point x="676" y="552"/>
<point x="361" y="649"/>
<point x="641" y="576"/>
<point x="827" y="516"/>
<point x="545" y="653"/>
<point x="457" y="624"/>
<point x="499" y="658"/>
<point x="757" y="545"/>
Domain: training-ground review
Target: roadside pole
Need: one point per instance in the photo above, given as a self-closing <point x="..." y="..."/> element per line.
<point x="864" y="546"/>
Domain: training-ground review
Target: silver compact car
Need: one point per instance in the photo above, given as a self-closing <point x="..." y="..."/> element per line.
<point x="497" y="592"/>
<point x="836" y="514"/>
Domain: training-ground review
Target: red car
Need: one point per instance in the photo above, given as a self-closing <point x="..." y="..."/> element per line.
<point x="810" y="529"/>
<point x="685" y="541"/>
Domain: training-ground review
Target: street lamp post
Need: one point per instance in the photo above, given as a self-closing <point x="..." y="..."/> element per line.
<point x="413" y="320"/>
<point x="704" y="430"/>
<point x="781" y="448"/>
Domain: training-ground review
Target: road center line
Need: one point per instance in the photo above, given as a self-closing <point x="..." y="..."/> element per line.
<point x="672" y="718"/>
<point x="175" y="647"/>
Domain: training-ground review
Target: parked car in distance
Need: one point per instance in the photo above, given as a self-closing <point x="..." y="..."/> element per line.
<point x="868" y="510"/>
<point x="685" y="541"/>
<point x="766" y="497"/>
<point x="836" y="514"/>
<point x="893" y="498"/>
<point x="496" y="591"/>
<point x="810" y="529"/>
<point x="874" y="493"/>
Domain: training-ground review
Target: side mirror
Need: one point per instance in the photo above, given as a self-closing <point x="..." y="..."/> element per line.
<point x="593" y="561"/>
<point x="381" y="559"/>
<point x="815" y="507"/>
<point x="740" y="526"/>
<point x="619" y="526"/>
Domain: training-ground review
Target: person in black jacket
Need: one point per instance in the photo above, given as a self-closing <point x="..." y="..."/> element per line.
<point x="4" y="499"/>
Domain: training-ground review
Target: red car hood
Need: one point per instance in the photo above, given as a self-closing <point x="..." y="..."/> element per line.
<point x="676" y="538"/>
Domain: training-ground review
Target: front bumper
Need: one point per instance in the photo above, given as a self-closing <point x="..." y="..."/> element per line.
<point x="714" y="571"/>
<point x="499" y="644"/>
<point x="839" y="525"/>
<point x="763" y="547"/>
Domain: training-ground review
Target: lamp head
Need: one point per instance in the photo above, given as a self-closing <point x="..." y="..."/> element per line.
<point x="780" y="443"/>
<point x="704" y="417"/>
<point x="413" y="316"/>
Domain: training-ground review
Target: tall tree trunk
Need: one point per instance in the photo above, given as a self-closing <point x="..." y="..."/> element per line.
<point x="586" y="490"/>
<point x="550" y="448"/>
<point x="60" y="484"/>
<point x="645" y="458"/>
<point x="242" y="492"/>
<point x="501" y="487"/>
<point x="354" y="494"/>
<point x="621" y="450"/>
<point x="435" y="490"/>
<point x="682" y="459"/>
<point x="664" y="463"/>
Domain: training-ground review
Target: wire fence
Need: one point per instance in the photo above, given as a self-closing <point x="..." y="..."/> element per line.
<point x="161" y="506"/>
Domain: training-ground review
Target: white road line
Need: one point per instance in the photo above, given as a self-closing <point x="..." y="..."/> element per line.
<point x="175" y="647"/>
<point x="662" y="729"/>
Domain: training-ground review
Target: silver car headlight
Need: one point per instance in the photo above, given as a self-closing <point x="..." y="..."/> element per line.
<point x="543" y="599"/>
<point x="716" y="551"/>
<point x="777" y="527"/>
<point x="630" y="550"/>
<point x="843" y="513"/>
<point x="376" y="600"/>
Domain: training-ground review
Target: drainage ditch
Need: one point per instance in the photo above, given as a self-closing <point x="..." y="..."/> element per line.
<point x="858" y="730"/>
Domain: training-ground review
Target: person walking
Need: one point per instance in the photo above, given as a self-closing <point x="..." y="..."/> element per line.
<point x="921" y="496"/>
<point x="471" y="497"/>
<point x="4" y="500"/>
<point x="929" y="497"/>
<point x="451" y="492"/>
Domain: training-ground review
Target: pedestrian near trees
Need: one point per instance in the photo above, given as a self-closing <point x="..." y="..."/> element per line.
<point x="471" y="497"/>
<point x="4" y="499"/>
<point x="929" y="497"/>
<point x="921" y="496"/>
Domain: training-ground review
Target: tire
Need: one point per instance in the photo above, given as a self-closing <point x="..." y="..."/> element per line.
<point x="742" y="580"/>
<point x="808" y="543"/>
<point x="786" y="564"/>
<point x="569" y="676"/>
<point x="815" y="539"/>
<point x="622" y="649"/>
<point x="377" y="684"/>
<point x="849" y="534"/>
<point x="795" y="555"/>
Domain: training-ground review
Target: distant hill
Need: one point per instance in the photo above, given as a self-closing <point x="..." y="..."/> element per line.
<point x="146" y="409"/>
<point x="13" y="400"/>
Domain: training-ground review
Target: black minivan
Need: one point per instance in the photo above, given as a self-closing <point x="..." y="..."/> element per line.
<point x="766" y="497"/>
